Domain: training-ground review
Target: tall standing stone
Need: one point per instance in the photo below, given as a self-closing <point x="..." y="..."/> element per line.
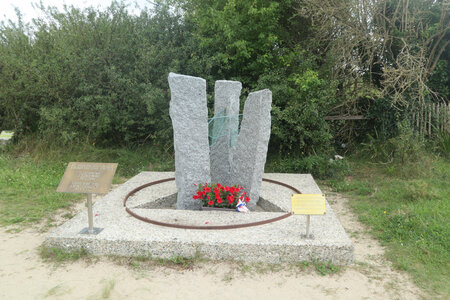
<point x="189" y="115"/>
<point x="224" y="129"/>
<point x="250" y="153"/>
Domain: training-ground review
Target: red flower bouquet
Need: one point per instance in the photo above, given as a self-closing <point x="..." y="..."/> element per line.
<point x="217" y="195"/>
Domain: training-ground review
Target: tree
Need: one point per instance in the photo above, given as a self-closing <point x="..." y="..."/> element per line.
<point x="395" y="44"/>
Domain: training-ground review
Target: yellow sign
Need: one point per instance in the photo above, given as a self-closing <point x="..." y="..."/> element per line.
<point x="6" y="135"/>
<point x="86" y="177"/>
<point x="308" y="204"/>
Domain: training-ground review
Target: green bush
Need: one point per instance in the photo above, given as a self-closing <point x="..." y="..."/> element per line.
<point x="442" y="142"/>
<point x="89" y="74"/>
<point x="299" y="106"/>
<point x="101" y="76"/>
<point x="406" y="147"/>
<point x="320" y="166"/>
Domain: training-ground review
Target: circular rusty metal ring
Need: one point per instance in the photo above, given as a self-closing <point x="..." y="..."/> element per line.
<point x="218" y="227"/>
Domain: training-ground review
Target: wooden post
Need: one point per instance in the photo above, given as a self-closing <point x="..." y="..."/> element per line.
<point x="438" y="117"/>
<point x="421" y="121"/>
<point x="447" y="112"/>
<point x="435" y="115"/>
<point x="442" y="113"/>
<point x="444" y="117"/>
<point x="429" y="119"/>
<point x="417" y="121"/>
<point x="425" y="116"/>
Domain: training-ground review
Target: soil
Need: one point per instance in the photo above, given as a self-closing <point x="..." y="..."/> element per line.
<point x="25" y="275"/>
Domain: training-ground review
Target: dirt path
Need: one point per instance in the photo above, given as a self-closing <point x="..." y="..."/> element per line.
<point x="23" y="275"/>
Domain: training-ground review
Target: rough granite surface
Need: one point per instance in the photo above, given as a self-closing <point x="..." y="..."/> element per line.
<point x="189" y="115"/>
<point x="250" y="152"/>
<point x="275" y="242"/>
<point x="226" y="98"/>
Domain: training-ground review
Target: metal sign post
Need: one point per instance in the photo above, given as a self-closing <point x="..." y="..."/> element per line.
<point x="91" y="229"/>
<point x="90" y="214"/>
<point x="88" y="178"/>
<point x="308" y="222"/>
<point x="308" y="204"/>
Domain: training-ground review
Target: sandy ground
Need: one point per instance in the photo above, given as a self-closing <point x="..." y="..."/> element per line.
<point x="24" y="275"/>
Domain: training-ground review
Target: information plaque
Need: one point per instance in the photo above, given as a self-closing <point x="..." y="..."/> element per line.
<point x="308" y="204"/>
<point x="6" y="135"/>
<point x="86" y="177"/>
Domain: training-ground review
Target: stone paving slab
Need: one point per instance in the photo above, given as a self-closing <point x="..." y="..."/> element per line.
<point x="275" y="242"/>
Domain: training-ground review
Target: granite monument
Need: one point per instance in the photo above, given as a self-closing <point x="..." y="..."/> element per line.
<point x="232" y="158"/>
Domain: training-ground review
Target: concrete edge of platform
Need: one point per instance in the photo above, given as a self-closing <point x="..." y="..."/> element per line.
<point x="279" y="245"/>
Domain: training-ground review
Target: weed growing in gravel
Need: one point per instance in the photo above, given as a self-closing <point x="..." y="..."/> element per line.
<point x="146" y="261"/>
<point x="324" y="269"/>
<point x="107" y="289"/>
<point x="59" y="256"/>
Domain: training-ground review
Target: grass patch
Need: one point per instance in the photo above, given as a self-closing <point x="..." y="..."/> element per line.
<point x="323" y="268"/>
<point x="57" y="255"/>
<point x="28" y="189"/>
<point x="407" y="208"/>
<point x="57" y="291"/>
<point x="107" y="289"/>
<point x="320" y="166"/>
<point x="60" y="256"/>
<point x="30" y="173"/>
<point x="131" y="161"/>
<point x="178" y="261"/>
<point x="146" y="262"/>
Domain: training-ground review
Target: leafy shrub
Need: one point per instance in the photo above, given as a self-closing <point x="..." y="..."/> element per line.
<point x="320" y="166"/>
<point x="443" y="143"/>
<point x="89" y="74"/>
<point x="406" y="147"/>
<point x="383" y="119"/>
<point x="299" y="106"/>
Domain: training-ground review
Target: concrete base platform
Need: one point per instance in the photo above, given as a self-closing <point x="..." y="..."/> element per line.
<point x="276" y="242"/>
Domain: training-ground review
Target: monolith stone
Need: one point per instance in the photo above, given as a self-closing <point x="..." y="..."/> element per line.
<point x="189" y="115"/>
<point x="250" y="152"/>
<point x="225" y="128"/>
